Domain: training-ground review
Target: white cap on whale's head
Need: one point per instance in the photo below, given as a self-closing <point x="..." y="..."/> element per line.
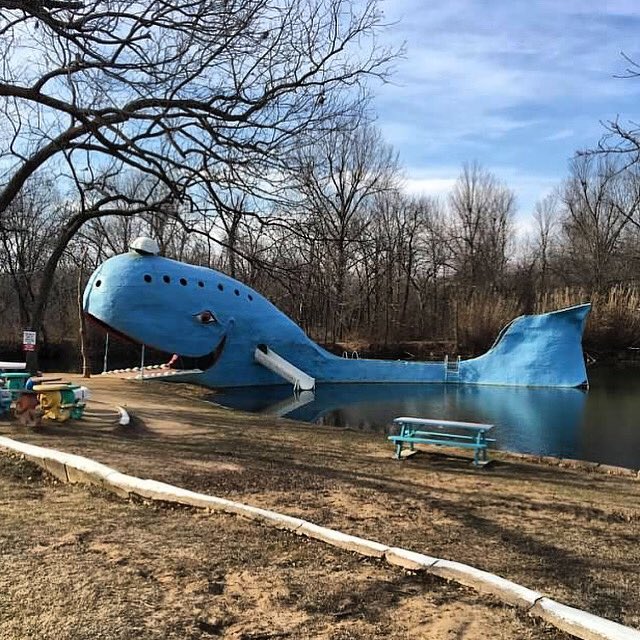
<point x="145" y="246"/>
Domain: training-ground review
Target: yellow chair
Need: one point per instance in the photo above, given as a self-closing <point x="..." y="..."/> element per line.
<point x="50" y="399"/>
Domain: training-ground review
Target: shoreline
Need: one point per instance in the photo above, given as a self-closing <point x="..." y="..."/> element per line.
<point x="503" y="454"/>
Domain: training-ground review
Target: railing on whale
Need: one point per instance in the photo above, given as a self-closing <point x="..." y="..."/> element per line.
<point x="451" y="369"/>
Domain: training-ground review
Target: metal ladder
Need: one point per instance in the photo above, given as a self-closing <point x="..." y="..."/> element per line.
<point x="451" y="369"/>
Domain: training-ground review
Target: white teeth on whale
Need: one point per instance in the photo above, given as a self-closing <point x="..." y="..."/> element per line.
<point x="163" y="373"/>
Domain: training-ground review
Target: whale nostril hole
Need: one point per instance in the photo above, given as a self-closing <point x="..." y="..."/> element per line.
<point x="166" y="279"/>
<point x="147" y="278"/>
<point x="250" y="297"/>
<point x="236" y="292"/>
<point x="183" y="282"/>
<point x="220" y="287"/>
<point x="200" y="283"/>
<point x="98" y="283"/>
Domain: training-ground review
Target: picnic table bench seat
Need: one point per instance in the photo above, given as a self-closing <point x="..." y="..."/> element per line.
<point x="443" y="433"/>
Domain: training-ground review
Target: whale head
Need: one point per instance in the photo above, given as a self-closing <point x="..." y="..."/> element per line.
<point x="168" y="305"/>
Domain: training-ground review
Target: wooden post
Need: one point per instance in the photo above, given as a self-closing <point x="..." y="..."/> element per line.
<point x="106" y="353"/>
<point x="86" y="369"/>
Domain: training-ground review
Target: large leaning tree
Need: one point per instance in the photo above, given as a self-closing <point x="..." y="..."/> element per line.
<point x="186" y="92"/>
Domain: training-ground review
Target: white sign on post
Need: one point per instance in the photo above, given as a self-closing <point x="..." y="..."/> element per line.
<point x="29" y="340"/>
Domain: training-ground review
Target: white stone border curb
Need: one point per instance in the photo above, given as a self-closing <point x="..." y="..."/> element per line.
<point x="77" y="469"/>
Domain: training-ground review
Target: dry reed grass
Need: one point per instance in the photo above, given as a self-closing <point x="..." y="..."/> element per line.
<point x="613" y="324"/>
<point x="614" y="321"/>
<point x="481" y="316"/>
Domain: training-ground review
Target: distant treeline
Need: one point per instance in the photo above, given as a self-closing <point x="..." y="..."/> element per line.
<point x="358" y="262"/>
<point x="613" y="327"/>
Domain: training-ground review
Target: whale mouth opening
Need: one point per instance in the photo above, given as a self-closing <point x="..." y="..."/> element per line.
<point x="206" y="361"/>
<point x="178" y="362"/>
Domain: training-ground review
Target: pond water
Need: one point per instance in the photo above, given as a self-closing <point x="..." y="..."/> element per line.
<point x="601" y="424"/>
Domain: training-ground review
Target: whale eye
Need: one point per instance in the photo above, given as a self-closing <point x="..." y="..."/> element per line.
<point x="206" y="317"/>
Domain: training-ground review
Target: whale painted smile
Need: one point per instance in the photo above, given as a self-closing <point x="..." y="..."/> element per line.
<point x="236" y="337"/>
<point x="203" y="362"/>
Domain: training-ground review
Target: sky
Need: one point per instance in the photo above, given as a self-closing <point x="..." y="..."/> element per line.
<point x="516" y="85"/>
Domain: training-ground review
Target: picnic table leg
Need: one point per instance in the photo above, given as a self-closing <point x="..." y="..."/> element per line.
<point x="476" y="451"/>
<point x="399" y="443"/>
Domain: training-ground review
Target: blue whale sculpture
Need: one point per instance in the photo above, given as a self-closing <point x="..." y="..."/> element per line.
<point x="232" y="336"/>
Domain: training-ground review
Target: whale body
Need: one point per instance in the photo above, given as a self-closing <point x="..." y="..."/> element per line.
<point x="216" y="324"/>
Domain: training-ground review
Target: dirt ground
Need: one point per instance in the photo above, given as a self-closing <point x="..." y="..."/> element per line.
<point x="572" y="534"/>
<point x="78" y="563"/>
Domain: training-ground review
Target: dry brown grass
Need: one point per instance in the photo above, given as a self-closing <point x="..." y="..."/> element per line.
<point x="571" y="534"/>
<point x="614" y="321"/>
<point x="78" y="564"/>
<point x="481" y="316"/>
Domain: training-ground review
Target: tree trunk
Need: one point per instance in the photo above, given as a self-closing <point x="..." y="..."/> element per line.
<point x="86" y="370"/>
<point x="42" y="298"/>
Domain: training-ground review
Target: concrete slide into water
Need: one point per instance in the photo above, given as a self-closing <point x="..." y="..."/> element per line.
<point x="272" y="361"/>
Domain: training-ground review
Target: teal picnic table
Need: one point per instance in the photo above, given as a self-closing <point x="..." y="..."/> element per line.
<point x="16" y="381"/>
<point x="443" y="433"/>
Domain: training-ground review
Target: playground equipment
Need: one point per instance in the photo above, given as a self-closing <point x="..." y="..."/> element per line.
<point x="272" y="361"/>
<point x="12" y="380"/>
<point x="37" y="397"/>
<point x="16" y="382"/>
<point x="5" y="401"/>
<point x="61" y="401"/>
<point x="228" y="335"/>
<point x="26" y="410"/>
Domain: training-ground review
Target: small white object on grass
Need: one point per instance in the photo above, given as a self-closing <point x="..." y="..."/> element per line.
<point x="124" y="417"/>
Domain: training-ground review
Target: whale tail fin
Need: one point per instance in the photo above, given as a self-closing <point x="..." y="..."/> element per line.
<point x="542" y="350"/>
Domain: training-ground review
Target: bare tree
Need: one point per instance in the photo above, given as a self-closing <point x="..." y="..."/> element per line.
<point x="599" y="198"/>
<point x="621" y="140"/>
<point x="547" y="219"/>
<point x="181" y="91"/>
<point x="482" y="210"/>
<point x="26" y="239"/>
<point x="338" y="180"/>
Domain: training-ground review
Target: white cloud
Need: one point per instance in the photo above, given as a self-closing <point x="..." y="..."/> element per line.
<point x="517" y="86"/>
<point x="429" y="186"/>
<point x="482" y="71"/>
<point x="560" y="135"/>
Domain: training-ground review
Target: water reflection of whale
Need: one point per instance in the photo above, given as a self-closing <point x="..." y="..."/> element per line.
<point x="535" y="420"/>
